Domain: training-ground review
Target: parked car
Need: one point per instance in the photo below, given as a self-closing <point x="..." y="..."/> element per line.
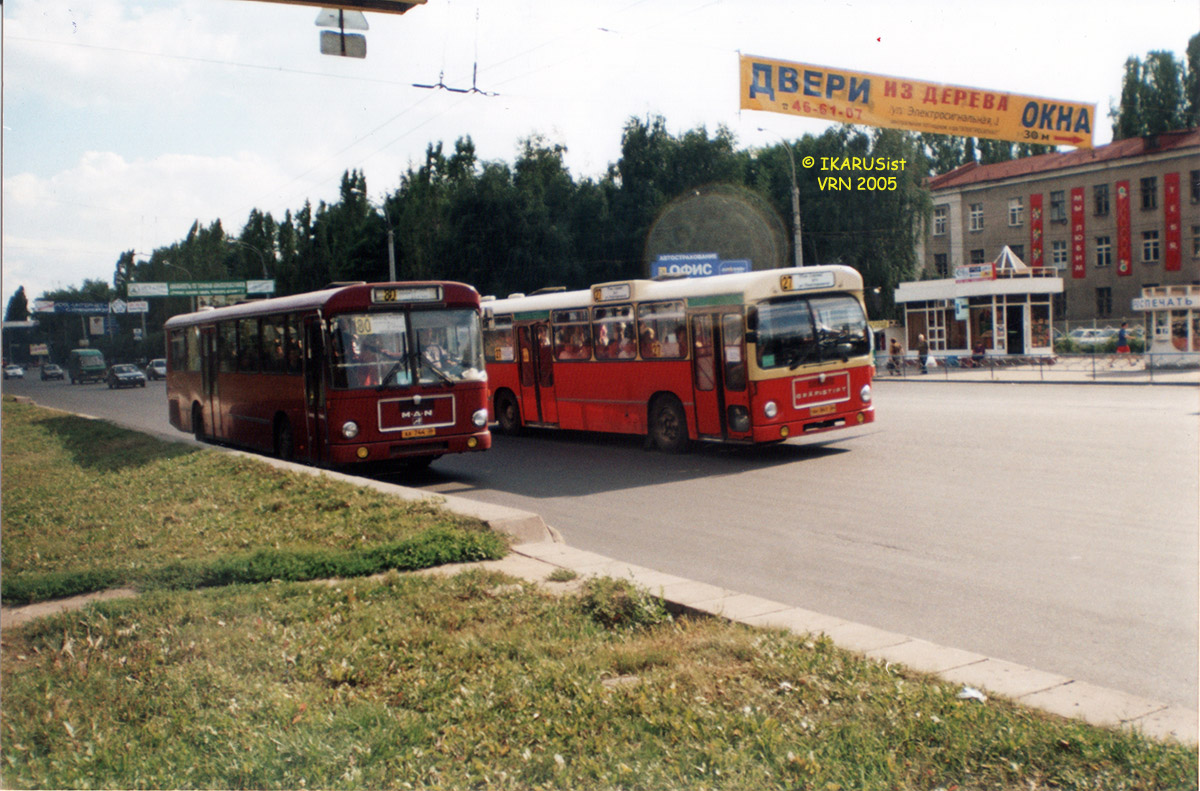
<point x="125" y="375"/>
<point x="157" y="369"/>
<point x="1089" y="336"/>
<point x="14" y="372"/>
<point x="52" y="371"/>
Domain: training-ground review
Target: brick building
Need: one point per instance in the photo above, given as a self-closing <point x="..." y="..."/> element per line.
<point x="1110" y="221"/>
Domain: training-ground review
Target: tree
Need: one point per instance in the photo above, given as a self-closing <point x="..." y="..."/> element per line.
<point x="18" y="306"/>
<point x="1152" y="95"/>
<point x="1191" y="84"/>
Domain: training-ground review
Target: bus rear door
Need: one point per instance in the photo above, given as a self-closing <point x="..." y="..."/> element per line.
<point x="719" y="375"/>
<point x="535" y="362"/>
<point x="314" y="389"/>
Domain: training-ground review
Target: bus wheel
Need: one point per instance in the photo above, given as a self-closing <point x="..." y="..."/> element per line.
<point x="198" y="422"/>
<point x="668" y="425"/>
<point x="285" y="446"/>
<point x="507" y="413"/>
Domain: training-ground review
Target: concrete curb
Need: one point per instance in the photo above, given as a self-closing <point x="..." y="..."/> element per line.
<point x="1046" y="691"/>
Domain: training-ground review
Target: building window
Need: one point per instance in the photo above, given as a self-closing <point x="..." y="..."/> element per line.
<point x="1058" y="255"/>
<point x="976" y="217"/>
<point x="977" y="256"/>
<point x="1150" y="192"/>
<point x="1100" y="199"/>
<point x="1016" y="211"/>
<point x="1103" y="302"/>
<point x="1196" y="241"/>
<point x="1196" y="186"/>
<point x="939" y="220"/>
<point x="1018" y="250"/>
<point x="1103" y="251"/>
<point x="1150" y="247"/>
<point x="1058" y="206"/>
<point x="940" y="265"/>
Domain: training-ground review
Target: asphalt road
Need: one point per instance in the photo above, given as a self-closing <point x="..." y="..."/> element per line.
<point x="1055" y="526"/>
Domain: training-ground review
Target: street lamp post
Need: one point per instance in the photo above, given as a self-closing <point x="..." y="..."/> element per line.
<point x="799" y="252"/>
<point x="262" y="258"/>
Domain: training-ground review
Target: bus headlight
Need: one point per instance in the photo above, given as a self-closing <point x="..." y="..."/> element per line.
<point x="739" y="418"/>
<point x="770" y="409"/>
<point x="479" y="419"/>
<point x="349" y="429"/>
<point x="865" y="394"/>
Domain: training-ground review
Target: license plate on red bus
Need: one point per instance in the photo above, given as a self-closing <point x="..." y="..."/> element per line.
<point x="417" y="432"/>
<point x="828" y="409"/>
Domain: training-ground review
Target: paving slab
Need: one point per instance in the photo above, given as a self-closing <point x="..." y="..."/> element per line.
<point x="925" y="656"/>
<point x="1090" y="703"/>
<point x="1174" y="722"/>
<point x="739" y="606"/>
<point x="798" y="620"/>
<point x="1007" y="679"/>
<point x="862" y="638"/>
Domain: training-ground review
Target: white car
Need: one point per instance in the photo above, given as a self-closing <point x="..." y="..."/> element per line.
<point x="14" y="372"/>
<point x="1088" y="336"/>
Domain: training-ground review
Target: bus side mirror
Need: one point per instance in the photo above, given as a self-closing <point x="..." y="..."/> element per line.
<point x="752" y="326"/>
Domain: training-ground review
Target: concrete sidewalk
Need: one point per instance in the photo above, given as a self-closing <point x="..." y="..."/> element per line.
<point x="1085" y="369"/>
<point x="539" y="551"/>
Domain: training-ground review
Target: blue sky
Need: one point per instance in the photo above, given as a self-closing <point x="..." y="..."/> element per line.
<point x="124" y="121"/>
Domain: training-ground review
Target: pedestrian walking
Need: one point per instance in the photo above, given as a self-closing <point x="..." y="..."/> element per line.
<point x="894" y="362"/>
<point x="923" y="353"/>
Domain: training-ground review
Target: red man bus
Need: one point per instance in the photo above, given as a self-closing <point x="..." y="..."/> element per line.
<point x="385" y="372"/>
<point x="755" y="357"/>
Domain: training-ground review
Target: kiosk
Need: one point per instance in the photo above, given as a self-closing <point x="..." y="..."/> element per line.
<point x="1005" y="306"/>
<point x="1174" y="317"/>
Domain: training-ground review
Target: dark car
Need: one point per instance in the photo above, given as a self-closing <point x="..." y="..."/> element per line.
<point x="52" y="371"/>
<point x="157" y="369"/>
<point x="125" y="375"/>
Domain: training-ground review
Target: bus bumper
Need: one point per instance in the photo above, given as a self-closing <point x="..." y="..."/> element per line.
<point x="779" y="432"/>
<point x="359" y="452"/>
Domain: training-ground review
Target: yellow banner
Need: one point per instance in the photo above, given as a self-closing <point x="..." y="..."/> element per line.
<point x="855" y="97"/>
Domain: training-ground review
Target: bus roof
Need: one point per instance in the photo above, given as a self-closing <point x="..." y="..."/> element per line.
<point x="744" y="287"/>
<point x="349" y="297"/>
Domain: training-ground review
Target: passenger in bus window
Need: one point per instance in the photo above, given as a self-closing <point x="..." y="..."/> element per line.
<point x="628" y="347"/>
<point x="650" y="349"/>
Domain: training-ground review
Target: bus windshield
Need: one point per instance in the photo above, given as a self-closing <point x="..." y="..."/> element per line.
<point x="798" y="330"/>
<point x="385" y="350"/>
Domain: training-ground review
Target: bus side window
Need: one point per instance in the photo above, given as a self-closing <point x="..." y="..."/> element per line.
<point x="272" y="344"/>
<point x="227" y="347"/>
<point x="498" y="344"/>
<point x="661" y="331"/>
<point x="295" y="345"/>
<point x="248" y="345"/>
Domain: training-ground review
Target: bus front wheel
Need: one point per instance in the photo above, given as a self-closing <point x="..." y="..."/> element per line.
<point x="284" y="439"/>
<point x="668" y="425"/>
<point x="508" y="415"/>
<point x="197" y="422"/>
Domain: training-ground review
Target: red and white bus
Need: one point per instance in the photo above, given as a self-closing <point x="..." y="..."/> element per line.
<point x="385" y="372"/>
<point x="755" y="357"/>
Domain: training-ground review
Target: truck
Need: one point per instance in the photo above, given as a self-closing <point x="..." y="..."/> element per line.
<point x="86" y="365"/>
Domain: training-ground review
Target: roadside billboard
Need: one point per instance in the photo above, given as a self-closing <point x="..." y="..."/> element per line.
<point x="856" y="97"/>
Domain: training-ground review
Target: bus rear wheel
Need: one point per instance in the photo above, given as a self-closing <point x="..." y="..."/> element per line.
<point x="668" y="425"/>
<point x="508" y="414"/>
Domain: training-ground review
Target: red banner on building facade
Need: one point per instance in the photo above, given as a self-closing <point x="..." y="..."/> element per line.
<point x="1124" y="247"/>
<point x="1078" y="241"/>
<point x="1035" y="230"/>
<point x="1173" y="260"/>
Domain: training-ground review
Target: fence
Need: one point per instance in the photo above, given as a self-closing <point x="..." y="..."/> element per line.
<point x="1104" y="367"/>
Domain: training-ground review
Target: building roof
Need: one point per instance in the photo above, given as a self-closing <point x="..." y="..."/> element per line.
<point x="974" y="173"/>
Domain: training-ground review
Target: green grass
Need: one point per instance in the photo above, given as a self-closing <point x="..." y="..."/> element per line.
<point x="88" y="505"/>
<point x="474" y="682"/>
<point x="412" y="681"/>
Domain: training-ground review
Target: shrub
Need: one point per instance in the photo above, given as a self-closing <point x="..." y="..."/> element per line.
<point x="618" y="604"/>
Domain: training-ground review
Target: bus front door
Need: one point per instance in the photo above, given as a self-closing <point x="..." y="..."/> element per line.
<point x="719" y="376"/>
<point x="314" y="390"/>
<point x="535" y="362"/>
<point x="209" y="390"/>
